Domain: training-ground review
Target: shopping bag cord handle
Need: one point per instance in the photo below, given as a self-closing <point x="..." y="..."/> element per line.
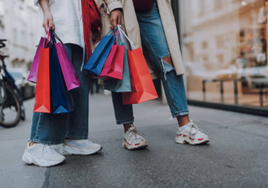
<point x="125" y="35"/>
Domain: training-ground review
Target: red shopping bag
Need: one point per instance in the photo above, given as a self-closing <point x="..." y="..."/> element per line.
<point x="141" y="81"/>
<point x="113" y="67"/>
<point x="42" y="93"/>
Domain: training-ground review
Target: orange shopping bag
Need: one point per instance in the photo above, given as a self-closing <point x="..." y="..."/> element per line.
<point x="42" y="93"/>
<point x="142" y="85"/>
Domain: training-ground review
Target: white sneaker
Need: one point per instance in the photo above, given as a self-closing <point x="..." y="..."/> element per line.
<point x="41" y="155"/>
<point x="79" y="147"/>
<point x="134" y="139"/>
<point x="191" y="134"/>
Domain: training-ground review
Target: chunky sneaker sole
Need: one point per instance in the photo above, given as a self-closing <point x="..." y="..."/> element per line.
<point x="184" y="139"/>
<point x="129" y="146"/>
<point x="30" y="159"/>
<point x="67" y="150"/>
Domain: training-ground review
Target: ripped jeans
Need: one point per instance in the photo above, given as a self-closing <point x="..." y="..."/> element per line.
<point x="154" y="42"/>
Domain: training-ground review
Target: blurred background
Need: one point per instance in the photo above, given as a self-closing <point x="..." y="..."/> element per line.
<point x="224" y="46"/>
<point x="223" y="43"/>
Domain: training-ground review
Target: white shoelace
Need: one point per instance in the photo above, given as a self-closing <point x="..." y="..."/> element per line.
<point x="194" y="128"/>
<point x="133" y="131"/>
<point x="47" y="148"/>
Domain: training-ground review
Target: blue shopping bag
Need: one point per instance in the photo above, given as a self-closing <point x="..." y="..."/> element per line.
<point x="62" y="101"/>
<point x="98" y="58"/>
<point x="123" y="85"/>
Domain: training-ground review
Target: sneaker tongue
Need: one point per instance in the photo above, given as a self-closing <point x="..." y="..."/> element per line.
<point x="131" y="129"/>
<point x="193" y="131"/>
<point x="49" y="149"/>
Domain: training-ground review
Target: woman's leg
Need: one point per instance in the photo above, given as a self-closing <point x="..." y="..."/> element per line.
<point x="123" y="113"/>
<point x="76" y="135"/>
<point x="182" y="120"/>
<point x="77" y="121"/>
<point x="51" y="128"/>
<point x="154" y="42"/>
<point x="48" y="129"/>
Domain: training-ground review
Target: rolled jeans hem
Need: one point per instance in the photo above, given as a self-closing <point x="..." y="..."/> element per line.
<point x="77" y="137"/>
<point x="125" y="122"/>
<point x="45" y="142"/>
<point x="183" y="113"/>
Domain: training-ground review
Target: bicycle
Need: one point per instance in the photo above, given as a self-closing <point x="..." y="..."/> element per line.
<point x="11" y="99"/>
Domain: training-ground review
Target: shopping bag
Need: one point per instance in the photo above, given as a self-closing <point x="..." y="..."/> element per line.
<point x="116" y="69"/>
<point x="42" y="92"/>
<point x="61" y="99"/>
<point x="142" y="85"/>
<point x="123" y="85"/>
<point x="34" y="68"/>
<point x="69" y="74"/>
<point x="141" y="82"/>
<point x="113" y="67"/>
<point x="97" y="60"/>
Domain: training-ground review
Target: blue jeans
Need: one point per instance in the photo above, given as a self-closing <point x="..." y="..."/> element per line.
<point x="155" y="44"/>
<point x="54" y="128"/>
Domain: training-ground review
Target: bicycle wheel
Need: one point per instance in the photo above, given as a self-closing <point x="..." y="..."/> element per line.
<point x="10" y="109"/>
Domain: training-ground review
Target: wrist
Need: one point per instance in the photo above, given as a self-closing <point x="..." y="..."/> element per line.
<point x="47" y="11"/>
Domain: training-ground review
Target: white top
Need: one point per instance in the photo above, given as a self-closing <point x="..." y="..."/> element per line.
<point x="67" y="18"/>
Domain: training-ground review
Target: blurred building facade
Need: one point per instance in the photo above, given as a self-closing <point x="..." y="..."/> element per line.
<point x="224" y="46"/>
<point x="18" y="19"/>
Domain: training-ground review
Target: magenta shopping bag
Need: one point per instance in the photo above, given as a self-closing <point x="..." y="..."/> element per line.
<point x="34" y="68"/>
<point x="70" y="77"/>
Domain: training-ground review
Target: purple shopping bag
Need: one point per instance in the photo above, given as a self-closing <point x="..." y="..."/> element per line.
<point x="44" y="41"/>
<point x="34" y="68"/>
<point x="70" y="77"/>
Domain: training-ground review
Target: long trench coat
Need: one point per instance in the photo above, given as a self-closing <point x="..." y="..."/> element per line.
<point x="131" y="27"/>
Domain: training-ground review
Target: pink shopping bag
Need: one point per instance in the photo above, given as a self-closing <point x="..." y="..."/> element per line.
<point x="116" y="70"/>
<point x="34" y="68"/>
<point x="113" y="67"/>
<point x="70" y="77"/>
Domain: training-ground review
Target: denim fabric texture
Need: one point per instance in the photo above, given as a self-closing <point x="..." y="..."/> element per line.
<point x="54" y="128"/>
<point x="154" y="42"/>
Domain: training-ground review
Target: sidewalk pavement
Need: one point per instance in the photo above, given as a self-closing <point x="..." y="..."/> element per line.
<point x="235" y="157"/>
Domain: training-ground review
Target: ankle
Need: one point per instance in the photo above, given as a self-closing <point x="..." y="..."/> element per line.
<point x="127" y="127"/>
<point x="183" y="120"/>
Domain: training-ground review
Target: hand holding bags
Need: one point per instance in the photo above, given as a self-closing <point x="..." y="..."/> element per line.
<point x="141" y="82"/>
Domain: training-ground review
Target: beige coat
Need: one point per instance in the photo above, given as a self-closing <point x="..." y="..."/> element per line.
<point x="130" y="25"/>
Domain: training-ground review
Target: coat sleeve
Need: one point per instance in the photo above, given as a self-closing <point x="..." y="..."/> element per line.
<point x="113" y="4"/>
<point x="36" y="2"/>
